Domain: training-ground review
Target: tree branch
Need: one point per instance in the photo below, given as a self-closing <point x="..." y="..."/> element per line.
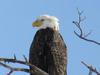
<point x="35" y="70"/>
<point x="81" y="35"/>
<point x="14" y="69"/>
<point x="91" y="69"/>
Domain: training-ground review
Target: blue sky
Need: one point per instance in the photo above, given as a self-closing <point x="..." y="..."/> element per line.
<point x="16" y="31"/>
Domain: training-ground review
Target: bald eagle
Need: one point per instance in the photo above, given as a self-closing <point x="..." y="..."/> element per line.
<point x="48" y="50"/>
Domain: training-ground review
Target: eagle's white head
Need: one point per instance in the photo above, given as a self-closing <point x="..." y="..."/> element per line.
<point x="46" y="21"/>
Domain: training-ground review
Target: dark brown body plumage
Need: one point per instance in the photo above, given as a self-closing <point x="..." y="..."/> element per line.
<point x="48" y="52"/>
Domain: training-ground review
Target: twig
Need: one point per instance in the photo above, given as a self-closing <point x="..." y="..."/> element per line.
<point x="91" y="69"/>
<point x="25" y="58"/>
<point x="35" y="70"/>
<point x="81" y="35"/>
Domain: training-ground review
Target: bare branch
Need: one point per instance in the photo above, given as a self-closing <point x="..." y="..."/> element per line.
<point x="91" y="69"/>
<point x="89" y="40"/>
<point x="81" y="34"/>
<point x="14" y="56"/>
<point x="35" y="70"/>
<point x="86" y="35"/>
<point x="90" y="72"/>
<point x="25" y="58"/>
<point x="10" y="72"/>
<point x="14" y="69"/>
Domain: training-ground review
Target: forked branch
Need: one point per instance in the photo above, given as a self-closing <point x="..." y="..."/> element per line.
<point x="81" y="34"/>
<point x="12" y="69"/>
<point x="35" y="70"/>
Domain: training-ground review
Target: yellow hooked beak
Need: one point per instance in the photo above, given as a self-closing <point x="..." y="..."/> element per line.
<point x="37" y="23"/>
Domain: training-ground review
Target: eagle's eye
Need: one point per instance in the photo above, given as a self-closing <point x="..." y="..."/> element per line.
<point x="42" y="20"/>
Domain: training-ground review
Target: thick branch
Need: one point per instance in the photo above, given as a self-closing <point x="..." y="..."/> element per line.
<point x="81" y="34"/>
<point x="35" y="70"/>
<point x="91" y="69"/>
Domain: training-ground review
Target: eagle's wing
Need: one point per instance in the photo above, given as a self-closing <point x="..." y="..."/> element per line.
<point x="36" y="54"/>
<point x="56" y="55"/>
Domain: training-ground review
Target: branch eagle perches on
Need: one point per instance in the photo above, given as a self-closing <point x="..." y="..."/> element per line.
<point x="81" y="35"/>
<point x="35" y="70"/>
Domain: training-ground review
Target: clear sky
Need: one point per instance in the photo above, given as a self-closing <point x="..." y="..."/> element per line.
<point x="16" y="31"/>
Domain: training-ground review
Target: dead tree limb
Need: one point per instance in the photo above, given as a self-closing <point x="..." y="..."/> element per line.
<point x="91" y="69"/>
<point x="81" y="35"/>
<point x="14" y="69"/>
<point x="35" y="70"/>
